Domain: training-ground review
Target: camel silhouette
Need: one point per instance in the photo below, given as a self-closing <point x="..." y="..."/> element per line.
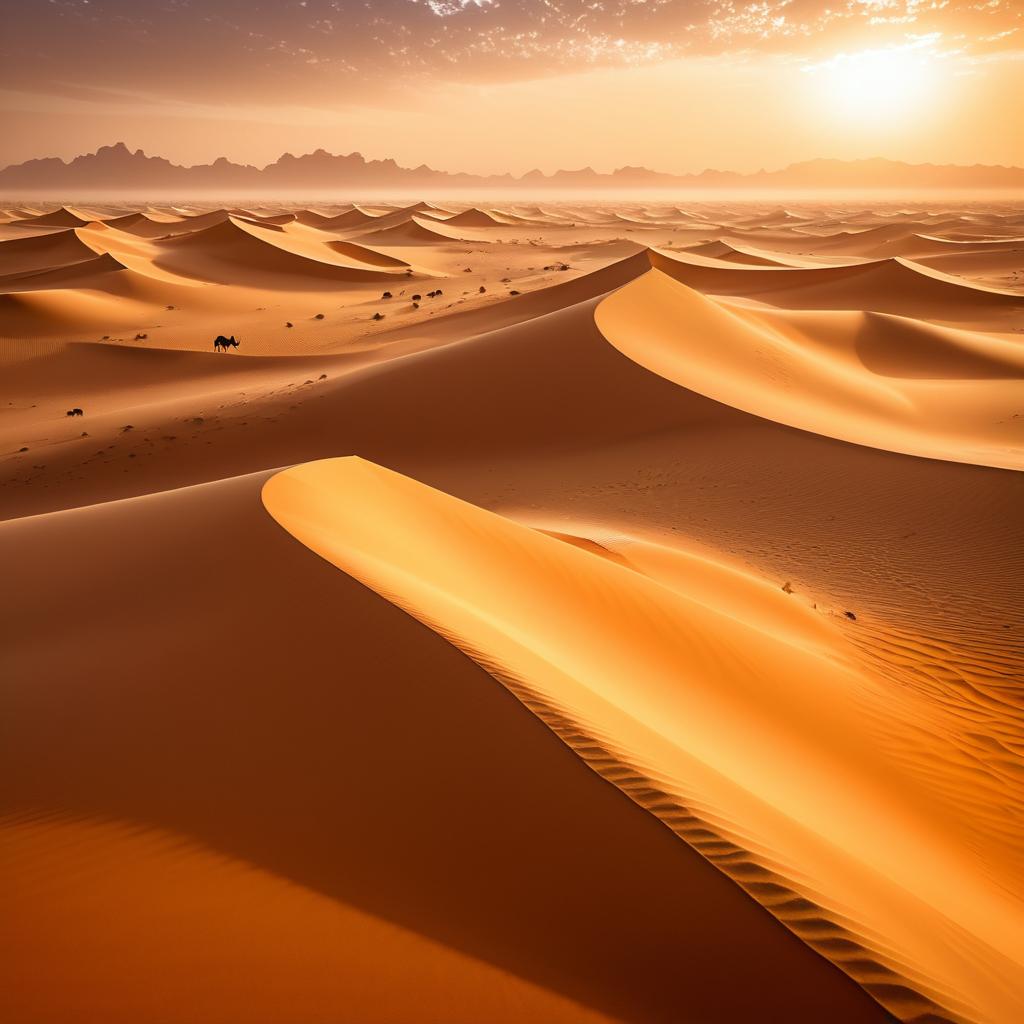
<point x="222" y="344"/>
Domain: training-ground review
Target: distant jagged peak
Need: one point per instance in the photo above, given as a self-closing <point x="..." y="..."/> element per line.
<point x="322" y="169"/>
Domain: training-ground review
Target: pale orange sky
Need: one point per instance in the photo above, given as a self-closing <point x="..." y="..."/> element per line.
<point x="490" y="86"/>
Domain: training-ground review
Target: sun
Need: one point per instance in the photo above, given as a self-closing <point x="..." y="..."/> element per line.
<point x="875" y="84"/>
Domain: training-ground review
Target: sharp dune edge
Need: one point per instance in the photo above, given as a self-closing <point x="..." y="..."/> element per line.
<point x="662" y="656"/>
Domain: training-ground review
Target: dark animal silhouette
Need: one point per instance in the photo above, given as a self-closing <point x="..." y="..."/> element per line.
<point x="223" y="344"/>
<point x="75" y="412"/>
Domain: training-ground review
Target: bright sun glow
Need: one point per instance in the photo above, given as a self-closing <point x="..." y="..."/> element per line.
<point x="875" y="83"/>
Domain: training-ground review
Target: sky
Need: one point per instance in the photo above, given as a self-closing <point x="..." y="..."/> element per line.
<point x="494" y="86"/>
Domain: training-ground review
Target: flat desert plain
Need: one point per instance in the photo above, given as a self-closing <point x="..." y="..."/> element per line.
<point x="546" y="611"/>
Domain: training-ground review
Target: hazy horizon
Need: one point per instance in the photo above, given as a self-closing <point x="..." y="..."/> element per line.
<point x="471" y="85"/>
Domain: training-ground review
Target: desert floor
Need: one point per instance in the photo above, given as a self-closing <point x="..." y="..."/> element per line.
<point x="547" y="612"/>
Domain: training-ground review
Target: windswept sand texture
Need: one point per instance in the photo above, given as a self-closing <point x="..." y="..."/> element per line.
<point x="626" y="628"/>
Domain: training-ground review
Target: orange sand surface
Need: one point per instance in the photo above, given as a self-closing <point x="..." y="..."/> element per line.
<point x="626" y="628"/>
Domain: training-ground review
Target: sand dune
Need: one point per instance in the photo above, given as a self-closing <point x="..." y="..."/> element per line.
<point x="61" y="218"/>
<point x="310" y="918"/>
<point x="87" y="273"/>
<point x="43" y="252"/>
<point x="993" y="266"/>
<point x="884" y="286"/>
<point x="474" y="218"/>
<point x="148" y="226"/>
<point x="356" y="217"/>
<point x="653" y="659"/>
<point x="876" y="380"/>
<point x="363" y="254"/>
<point x="915" y="246"/>
<point x="235" y="252"/>
<point x="413" y="230"/>
<point x="705" y="676"/>
<point x="271" y="219"/>
<point x="722" y="250"/>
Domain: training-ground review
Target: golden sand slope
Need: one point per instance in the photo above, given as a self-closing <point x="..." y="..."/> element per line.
<point x="764" y="740"/>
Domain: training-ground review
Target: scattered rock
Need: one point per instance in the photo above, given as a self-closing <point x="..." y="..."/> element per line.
<point x="514" y="292"/>
<point x="416" y="298"/>
<point x="386" y="295"/>
<point x="288" y="323"/>
<point x="22" y="449"/>
<point x="141" y="337"/>
<point x="319" y="316"/>
<point x="323" y="376"/>
<point x="482" y="289"/>
<point x="850" y="616"/>
<point x="168" y="307"/>
<point x="126" y="428"/>
<point x="787" y="587"/>
<point x="378" y="316"/>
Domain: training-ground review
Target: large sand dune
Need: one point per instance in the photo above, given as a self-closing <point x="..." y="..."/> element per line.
<point x="884" y="286"/>
<point x="642" y="642"/>
<point x="43" y="252"/>
<point x="878" y="380"/>
<point x="236" y="252"/>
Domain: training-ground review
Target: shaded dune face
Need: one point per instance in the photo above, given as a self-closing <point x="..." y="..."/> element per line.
<point x="639" y="646"/>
